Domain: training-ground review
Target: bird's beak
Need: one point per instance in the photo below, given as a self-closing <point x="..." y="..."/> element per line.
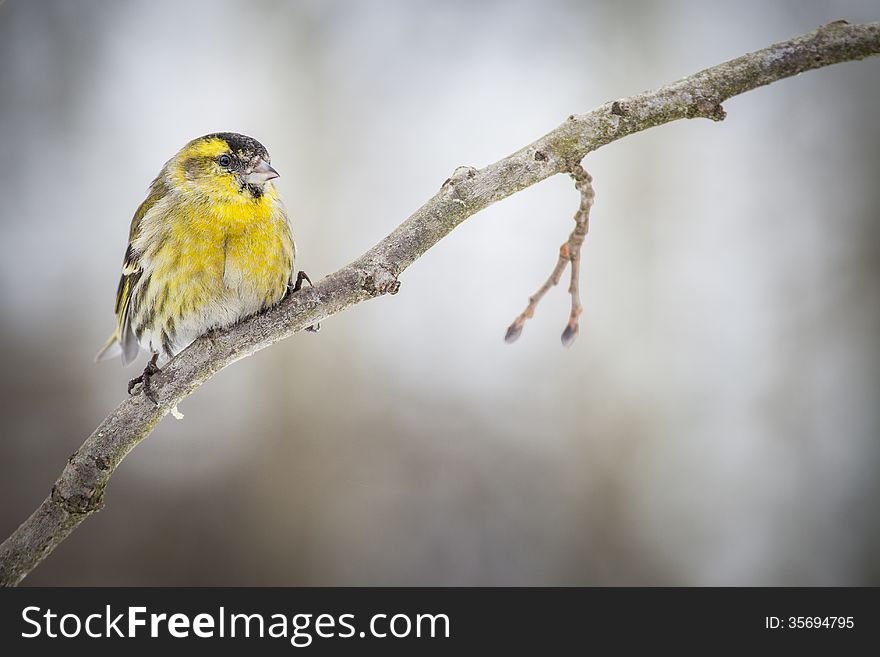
<point x="261" y="173"/>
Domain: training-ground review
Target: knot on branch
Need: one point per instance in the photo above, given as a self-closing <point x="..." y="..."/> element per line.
<point x="460" y="174"/>
<point x="381" y="281"/>
<point x="833" y="25"/>
<point x="91" y="501"/>
<point x="706" y="108"/>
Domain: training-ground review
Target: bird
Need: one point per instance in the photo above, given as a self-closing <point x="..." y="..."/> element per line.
<point x="209" y="246"/>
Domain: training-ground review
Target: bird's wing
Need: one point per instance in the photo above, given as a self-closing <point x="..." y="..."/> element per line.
<point x="131" y="274"/>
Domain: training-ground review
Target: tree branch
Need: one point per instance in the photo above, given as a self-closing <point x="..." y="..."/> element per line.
<point x="79" y="491"/>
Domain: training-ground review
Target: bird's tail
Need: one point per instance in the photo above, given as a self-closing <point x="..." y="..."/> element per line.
<point x="111" y="349"/>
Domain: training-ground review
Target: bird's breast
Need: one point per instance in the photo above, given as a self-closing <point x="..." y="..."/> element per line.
<point x="211" y="267"/>
<point x="257" y="261"/>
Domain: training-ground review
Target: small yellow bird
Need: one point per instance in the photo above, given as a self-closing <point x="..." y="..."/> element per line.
<point x="209" y="246"/>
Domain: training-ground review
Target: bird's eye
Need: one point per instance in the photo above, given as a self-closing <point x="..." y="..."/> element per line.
<point x="225" y="160"/>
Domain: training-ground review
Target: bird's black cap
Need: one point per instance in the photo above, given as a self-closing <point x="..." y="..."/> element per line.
<point x="241" y="144"/>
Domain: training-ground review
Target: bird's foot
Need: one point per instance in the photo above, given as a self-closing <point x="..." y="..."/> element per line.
<point x="298" y="283"/>
<point x="296" y="287"/>
<point x="144" y="379"/>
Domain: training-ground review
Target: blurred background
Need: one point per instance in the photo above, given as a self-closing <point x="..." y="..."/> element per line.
<point x="716" y="422"/>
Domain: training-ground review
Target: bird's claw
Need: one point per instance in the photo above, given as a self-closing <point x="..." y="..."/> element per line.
<point x="145" y="378"/>
<point x="298" y="283"/>
<point x="296" y="287"/>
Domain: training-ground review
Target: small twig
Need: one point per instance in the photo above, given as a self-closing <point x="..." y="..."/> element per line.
<point x="569" y="252"/>
<point x="515" y="329"/>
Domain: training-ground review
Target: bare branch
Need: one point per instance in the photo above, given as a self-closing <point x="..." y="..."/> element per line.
<point x="79" y="490"/>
